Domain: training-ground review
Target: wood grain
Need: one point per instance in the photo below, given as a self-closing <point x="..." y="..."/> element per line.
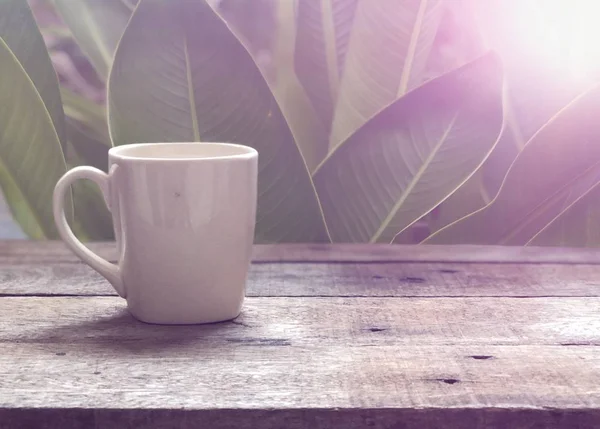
<point x="389" y="337"/>
<point x="319" y="362"/>
<point x="91" y="323"/>
<point x="27" y="251"/>
<point x="341" y="279"/>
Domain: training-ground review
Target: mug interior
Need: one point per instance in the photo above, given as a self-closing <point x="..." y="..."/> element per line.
<point x="146" y="151"/>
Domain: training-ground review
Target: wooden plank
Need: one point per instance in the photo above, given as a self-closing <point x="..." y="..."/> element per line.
<point x="48" y="251"/>
<point x="486" y="359"/>
<point x="308" y="321"/>
<point x="341" y="279"/>
<point x="348" y="418"/>
<point x="27" y="251"/>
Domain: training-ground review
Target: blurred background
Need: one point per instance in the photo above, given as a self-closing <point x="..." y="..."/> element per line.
<point x="549" y="49"/>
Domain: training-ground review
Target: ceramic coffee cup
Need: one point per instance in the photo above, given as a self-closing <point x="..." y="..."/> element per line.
<point x="184" y="216"/>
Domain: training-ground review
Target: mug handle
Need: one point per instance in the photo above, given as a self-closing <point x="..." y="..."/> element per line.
<point x="110" y="271"/>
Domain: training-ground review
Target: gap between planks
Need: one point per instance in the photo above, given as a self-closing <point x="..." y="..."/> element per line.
<point x="28" y="251"/>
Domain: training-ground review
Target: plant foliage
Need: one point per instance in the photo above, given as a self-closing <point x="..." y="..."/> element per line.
<point x="367" y="130"/>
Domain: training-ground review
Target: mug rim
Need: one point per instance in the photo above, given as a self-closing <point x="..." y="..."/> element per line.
<point x="120" y="152"/>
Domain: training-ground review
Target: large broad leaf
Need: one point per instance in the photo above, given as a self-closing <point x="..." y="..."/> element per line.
<point x="21" y="34"/>
<point x="456" y="40"/>
<point x="456" y="44"/>
<point x="87" y="133"/>
<point x="87" y="129"/>
<point x="468" y="198"/>
<point x="324" y="28"/>
<point x="558" y="166"/>
<point x="92" y="221"/>
<point x="90" y="147"/>
<point x="306" y="126"/>
<point x="411" y="156"/>
<point x="87" y="112"/>
<point x="471" y="196"/>
<point x="387" y="54"/>
<point x="192" y="80"/>
<point x="97" y="26"/>
<point x="31" y="158"/>
<point x="576" y="226"/>
<point x="307" y="129"/>
<point x="89" y="142"/>
<point x="529" y="103"/>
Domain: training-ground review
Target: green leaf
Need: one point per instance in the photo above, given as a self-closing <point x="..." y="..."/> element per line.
<point x="456" y="40"/>
<point x="194" y="81"/>
<point x="130" y="4"/>
<point x="31" y="157"/>
<point x="387" y="55"/>
<point x="528" y="103"/>
<point x="557" y="167"/>
<point x="21" y="34"/>
<point x="471" y="196"/>
<point x="87" y="129"/>
<point x="411" y="156"/>
<point x="93" y="221"/>
<point x="97" y="26"/>
<point x="308" y="130"/>
<point x="87" y="112"/>
<point x="456" y="43"/>
<point x="576" y="226"/>
<point x="91" y="147"/>
<point x="321" y="44"/>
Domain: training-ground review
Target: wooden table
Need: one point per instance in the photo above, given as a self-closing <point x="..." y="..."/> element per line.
<point x="330" y="337"/>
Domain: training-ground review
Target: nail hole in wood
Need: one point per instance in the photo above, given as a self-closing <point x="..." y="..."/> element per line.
<point x="482" y="357"/>
<point x="449" y="380"/>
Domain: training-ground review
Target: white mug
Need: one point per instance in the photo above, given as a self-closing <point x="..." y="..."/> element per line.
<point x="184" y="216"/>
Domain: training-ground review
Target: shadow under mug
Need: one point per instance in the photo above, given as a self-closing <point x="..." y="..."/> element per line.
<point x="184" y="216"/>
